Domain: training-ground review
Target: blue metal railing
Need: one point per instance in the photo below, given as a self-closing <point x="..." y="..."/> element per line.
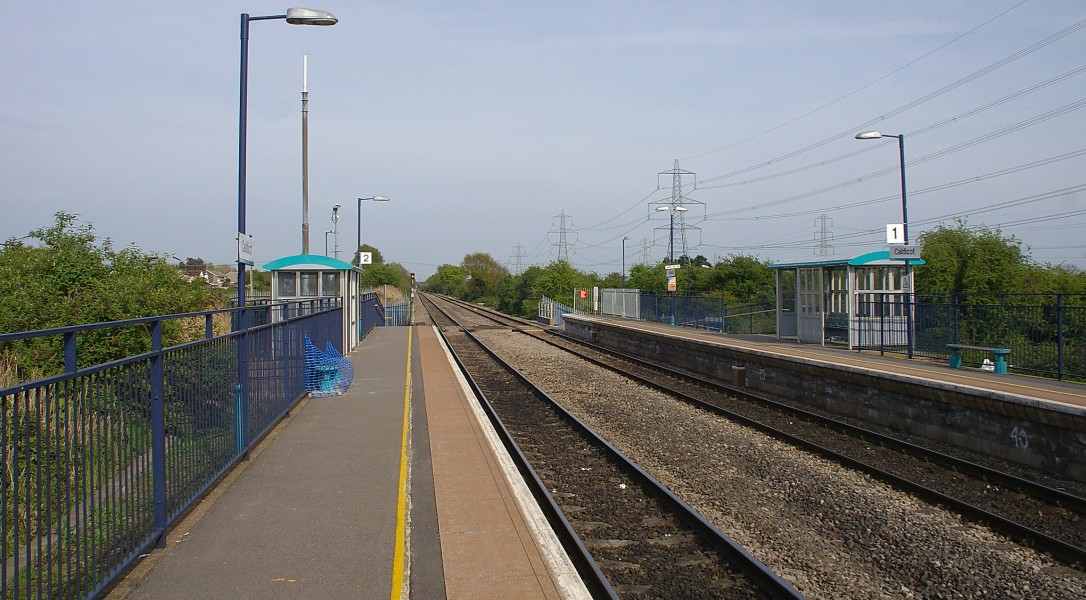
<point x="701" y="311"/>
<point x="372" y="314"/>
<point x="98" y="461"/>
<point x="398" y="315"/>
<point x="1046" y="333"/>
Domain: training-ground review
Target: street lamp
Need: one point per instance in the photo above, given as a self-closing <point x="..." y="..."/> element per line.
<point x="874" y="135"/>
<point x="358" y="246"/>
<point x="671" y="246"/>
<point x="326" y="234"/>
<point x="624" y="238"/>
<point x="294" y="16"/>
<point x="671" y="236"/>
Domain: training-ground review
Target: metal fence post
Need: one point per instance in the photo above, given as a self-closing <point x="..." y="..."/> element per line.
<point x="1059" y="337"/>
<point x="70" y="364"/>
<point x="158" y="433"/>
<point x="882" y="323"/>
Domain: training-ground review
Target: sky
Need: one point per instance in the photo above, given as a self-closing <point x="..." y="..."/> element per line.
<point x="533" y="131"/>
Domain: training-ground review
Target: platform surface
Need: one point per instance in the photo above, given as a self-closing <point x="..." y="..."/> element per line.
<point x="317" y="511"/>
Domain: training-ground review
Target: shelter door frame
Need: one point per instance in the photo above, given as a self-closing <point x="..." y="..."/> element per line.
<point x="810" y="286"/>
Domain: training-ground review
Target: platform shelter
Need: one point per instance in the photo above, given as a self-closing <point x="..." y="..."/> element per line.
<point x="833" y="298"/>
<point x="313" y="277"/>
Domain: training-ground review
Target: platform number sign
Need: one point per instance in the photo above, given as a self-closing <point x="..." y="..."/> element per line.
<point x="365" y="258"/>
<point x="895" y="233"/>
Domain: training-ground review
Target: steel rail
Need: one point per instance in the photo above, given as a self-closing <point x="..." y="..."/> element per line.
<point x="763" y="577"/>
<point x="586" y="566"/>
<point x="1022" y="533"/>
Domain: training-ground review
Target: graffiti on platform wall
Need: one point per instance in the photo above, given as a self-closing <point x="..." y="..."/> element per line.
<point x="1020" y="437"/>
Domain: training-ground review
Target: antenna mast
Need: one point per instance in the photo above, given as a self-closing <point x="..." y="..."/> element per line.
<point x="305" y="157"/>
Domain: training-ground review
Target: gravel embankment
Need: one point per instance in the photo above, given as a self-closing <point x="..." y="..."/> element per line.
<point x="832" y="532"/>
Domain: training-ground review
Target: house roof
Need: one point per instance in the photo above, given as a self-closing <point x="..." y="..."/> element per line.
<point x="879" y="258"/>
<point x="308" y="262"/>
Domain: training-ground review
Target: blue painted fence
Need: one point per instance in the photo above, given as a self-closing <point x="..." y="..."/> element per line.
<point x="372" y="314"/>
<point x="100" y="460"/>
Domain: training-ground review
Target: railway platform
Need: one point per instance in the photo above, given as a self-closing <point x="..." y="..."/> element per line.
<point x="1034" y="422"/>
<point x="396" y="489"/>
<point x="1038" y="389"/>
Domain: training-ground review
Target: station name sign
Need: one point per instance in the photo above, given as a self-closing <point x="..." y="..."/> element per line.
<point x="245" y="249"/>
<point x="904" y="252"/>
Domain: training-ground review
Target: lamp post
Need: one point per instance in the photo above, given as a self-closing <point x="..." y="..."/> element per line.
<point x="358" y="246"/>
<point x="294" y="16"/>
<point x="624" y="238"/>
<point x="326" y="234"/>
<point x="874" y="135"/>
<point x="671" y="245"/>
<point x="671" y="237"/>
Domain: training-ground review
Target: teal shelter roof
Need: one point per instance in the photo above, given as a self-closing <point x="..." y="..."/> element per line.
<point x="879" y="258"/>
<point x="308" y="262"/>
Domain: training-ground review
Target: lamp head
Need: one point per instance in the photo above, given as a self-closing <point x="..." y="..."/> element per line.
<point x="662" y="208"/>
<point x="681" y="209"/>
<point x="869" y="135"/>
<point x="309" y="16"/>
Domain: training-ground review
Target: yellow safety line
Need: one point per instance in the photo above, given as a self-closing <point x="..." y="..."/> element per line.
<point x="401" y="501"/>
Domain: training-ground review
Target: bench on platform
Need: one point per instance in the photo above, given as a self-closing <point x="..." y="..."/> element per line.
<point x="998" y="354"/>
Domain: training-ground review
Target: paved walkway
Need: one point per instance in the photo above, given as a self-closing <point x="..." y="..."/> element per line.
<point x="317" y="511"/>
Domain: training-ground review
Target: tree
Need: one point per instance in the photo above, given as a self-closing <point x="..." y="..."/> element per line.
<point x="483" y="276"/>
<point x="72" y="279"/>
<point x="971" y="260"/>
<point x="648" y="278"/>
<point x="449" y="280"/>
<point x="558" y="280"/>
<point x="518" y="295"/>
<point x="260" y="280"/>
<point x="377" y="257"/>
<point x="742" y="278"/>
<point x="381" y="274"/>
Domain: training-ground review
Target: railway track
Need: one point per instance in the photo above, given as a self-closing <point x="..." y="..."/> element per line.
<point x="1033" y="513"/>
<point x="1048" y="519"/>
<point x="637" y="539"/>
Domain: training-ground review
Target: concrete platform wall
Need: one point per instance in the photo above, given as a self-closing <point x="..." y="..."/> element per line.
<point x="1028" y="431"/>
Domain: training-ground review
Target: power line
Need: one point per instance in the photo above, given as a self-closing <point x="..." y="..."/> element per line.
<point x="859" y="89"/>
<point x="954" y="119"/>
<point x="940" y="153"/>
<point x="914" y="103"/>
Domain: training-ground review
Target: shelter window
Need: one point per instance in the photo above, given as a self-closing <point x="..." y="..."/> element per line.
<point x="288" y="285"/>
<point x="309" y="280"/>
<point x="330" y="284"/>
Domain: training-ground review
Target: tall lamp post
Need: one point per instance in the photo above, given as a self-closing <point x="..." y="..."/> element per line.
<point x="874" y="135"/>
<point x="294" y="16"/>
<point x="358" y="246"/>
<point x="671" y="237"/>
<point x="624" y="238"/>
<point x="671" y="245"/>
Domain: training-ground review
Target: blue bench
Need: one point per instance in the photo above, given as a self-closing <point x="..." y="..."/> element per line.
<point x="998" y="354"/>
